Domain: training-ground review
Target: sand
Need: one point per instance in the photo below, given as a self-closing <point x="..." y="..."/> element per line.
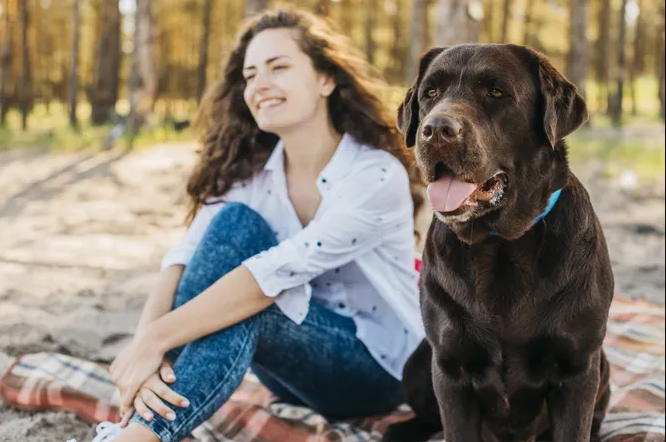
<point x="82" y="235"/>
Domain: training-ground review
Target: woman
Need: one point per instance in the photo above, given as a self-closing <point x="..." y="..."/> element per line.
<point x="299" y="260"/>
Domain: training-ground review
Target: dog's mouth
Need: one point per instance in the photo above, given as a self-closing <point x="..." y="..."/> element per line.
<point x="450" y="195"/>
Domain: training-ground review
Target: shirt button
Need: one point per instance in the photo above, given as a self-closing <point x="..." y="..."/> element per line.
<point x="342" y="306"/>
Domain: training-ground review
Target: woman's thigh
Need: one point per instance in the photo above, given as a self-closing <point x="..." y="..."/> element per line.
<point x="323" y="365"/>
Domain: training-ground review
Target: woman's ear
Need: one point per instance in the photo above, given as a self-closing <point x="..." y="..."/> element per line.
<point x="327" y="86"/>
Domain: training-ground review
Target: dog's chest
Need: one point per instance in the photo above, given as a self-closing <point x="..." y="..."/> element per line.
<point x="490" y="330"/>
<point x="511" y="379"/>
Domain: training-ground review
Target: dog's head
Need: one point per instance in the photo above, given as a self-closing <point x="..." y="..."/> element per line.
<point x="488" y="122"/>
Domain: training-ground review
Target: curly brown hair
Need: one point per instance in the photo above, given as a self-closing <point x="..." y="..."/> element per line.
<point x="234" y="148"/>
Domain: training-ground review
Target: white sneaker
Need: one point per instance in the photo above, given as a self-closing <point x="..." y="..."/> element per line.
<point x="106" y="432"/>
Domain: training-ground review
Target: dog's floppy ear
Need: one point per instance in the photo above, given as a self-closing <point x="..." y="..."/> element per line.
<point x="408" y="113"/>
<point x="564" y="109"/>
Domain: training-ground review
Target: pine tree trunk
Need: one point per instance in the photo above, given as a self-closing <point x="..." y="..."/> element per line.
<point x="529" y="17"/>
<point x="662" y="62"/>
<point x="143" y="83"/>
<point x="321" y="8"/>
<point x="370" y="26"/>
<point x="662" y="84"/>
<point x="489" y="20"/>
<point x="107" y="71"/>
<point x="642" y="26"/>
<point x="25" y="94"/>
<point x="579" y="51"/>
<point x="203" y="50"/>
<point x="616" y="108"/>
<point x="454" y="24"/>
<point x="638" y="63"/>
<point x="254" y="6"/>
<point x="346" y="23"/>
<point x="506" y="20"/>
<point x="397" y="52"/>
<point x="418" y="38"/>
<point x="74" y="70"/>
<point x="602" y="63"/>
<point x="5" y="57"/>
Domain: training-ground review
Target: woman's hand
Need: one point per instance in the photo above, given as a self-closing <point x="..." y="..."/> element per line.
<point x="133" y="366"/>
<point x="155" y="394"/>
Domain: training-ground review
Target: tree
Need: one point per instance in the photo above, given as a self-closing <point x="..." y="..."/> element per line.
<point x="603" y="44"/>
<point x="203" y="49"/>
<point x="529" y="17"/>
<point x="143" y="81"/>
<point x="397" y="50"/>
<point x="74" y="70"/>
<point x="25" y="72"/>
<point x="5" y="61"/>
<point x="419" y="37"/>
<point x="254" y="6"/>
<point x="370" y="26"/>
<point x="489" y="22"/>
<point x="321" y="7"/>
<point x="661" y="55"/>
<point x="506" y="19"/>
<point x="662" y="78"/>
<point x="107" y="70"/>
<point x="455" y="24"/>
<point x="578" y="49"/>
<point x="638" y="63"/>
<point x="616" y="105"/>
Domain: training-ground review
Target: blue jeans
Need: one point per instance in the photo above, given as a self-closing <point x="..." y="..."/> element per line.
<point x="320" y="364"/>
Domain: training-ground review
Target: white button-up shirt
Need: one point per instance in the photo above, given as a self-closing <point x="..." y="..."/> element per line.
<point x="355" y="257"/>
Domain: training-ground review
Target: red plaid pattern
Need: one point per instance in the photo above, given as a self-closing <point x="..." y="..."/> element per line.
<point x="635" y="347"/>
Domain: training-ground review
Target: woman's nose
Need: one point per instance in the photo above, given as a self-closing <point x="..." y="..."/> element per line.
<point x="261" y="81"/>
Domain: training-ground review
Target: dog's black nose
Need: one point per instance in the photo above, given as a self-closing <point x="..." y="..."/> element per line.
<point x="441" y="127"/>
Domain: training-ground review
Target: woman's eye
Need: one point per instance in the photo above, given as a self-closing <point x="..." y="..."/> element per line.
<point x="279" y="68"/>
<point x="249" y="78"/>
<point x="432" y="93"/>
<point x="496" y="93"/>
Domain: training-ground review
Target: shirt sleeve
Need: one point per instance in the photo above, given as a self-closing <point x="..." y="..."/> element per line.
<point x="373" y="203"/>
<point x="183" y="252"/>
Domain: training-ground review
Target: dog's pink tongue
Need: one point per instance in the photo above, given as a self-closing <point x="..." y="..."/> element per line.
<point x="448" y="194"/>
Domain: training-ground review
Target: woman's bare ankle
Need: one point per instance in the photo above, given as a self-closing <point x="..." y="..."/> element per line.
<point x="136" y="433"/>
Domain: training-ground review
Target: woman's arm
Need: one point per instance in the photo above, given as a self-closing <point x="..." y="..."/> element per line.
<point x="161" y="299"/>
<point x="232" y="299"/>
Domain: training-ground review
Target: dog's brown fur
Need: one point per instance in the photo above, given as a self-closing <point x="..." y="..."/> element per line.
<point x="515" y="323"/>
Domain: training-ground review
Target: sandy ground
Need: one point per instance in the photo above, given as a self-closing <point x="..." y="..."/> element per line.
<point x="81" y="238"/>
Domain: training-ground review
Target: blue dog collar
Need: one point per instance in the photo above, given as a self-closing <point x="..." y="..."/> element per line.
<point x="551" y="205"/>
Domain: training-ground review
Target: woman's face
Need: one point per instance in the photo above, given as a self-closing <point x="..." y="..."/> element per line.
<point x="283" y="88"/>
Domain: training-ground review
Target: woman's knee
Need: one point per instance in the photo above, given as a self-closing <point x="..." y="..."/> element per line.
<point x="234" y="234"/>
<point x="236" y="224"/>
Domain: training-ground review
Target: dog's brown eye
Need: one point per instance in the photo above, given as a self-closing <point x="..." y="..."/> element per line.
<point x="496" y="93"/>
<point x="432" y="92"/>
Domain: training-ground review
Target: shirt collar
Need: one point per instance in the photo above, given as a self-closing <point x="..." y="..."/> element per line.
<point x="276" y="160"/>
<point x="335" y="170"/>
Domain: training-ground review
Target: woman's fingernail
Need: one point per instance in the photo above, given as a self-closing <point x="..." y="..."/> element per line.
<point x="171" y="378"/>
<point x="185" y="403"/>
<point x="171" y="416"/>
<point x="148" y="416"/>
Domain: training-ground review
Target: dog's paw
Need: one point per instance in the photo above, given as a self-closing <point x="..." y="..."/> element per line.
<point x="410" y="431"/>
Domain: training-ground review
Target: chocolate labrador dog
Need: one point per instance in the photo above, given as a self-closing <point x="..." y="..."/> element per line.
<point x="517" y="281"/>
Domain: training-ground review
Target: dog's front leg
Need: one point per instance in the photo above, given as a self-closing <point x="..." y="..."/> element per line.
<point x="460" y="413"/>
<point x="571" y="406"/>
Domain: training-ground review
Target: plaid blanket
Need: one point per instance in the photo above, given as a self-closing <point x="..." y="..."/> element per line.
<point x="635" y="347"/>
